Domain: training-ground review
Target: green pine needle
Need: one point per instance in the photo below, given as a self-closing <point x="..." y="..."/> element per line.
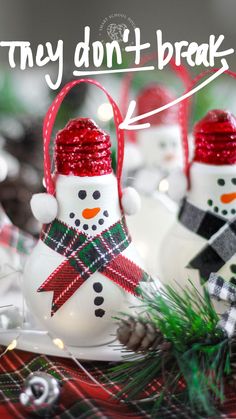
<point x="198" y="360"/>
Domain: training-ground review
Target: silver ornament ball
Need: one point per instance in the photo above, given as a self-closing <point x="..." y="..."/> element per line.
<point x="40" y="392"/>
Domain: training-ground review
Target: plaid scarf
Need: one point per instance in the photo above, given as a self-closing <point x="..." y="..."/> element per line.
<point x="220" y="233"/>
<point x="86" y="255"/>
<point x="14" y="238"/>
<point x="224" y="291"/>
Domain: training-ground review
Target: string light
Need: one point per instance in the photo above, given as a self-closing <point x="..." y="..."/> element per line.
<point x="12" y="345"/>
<point x="4" y="169"/>
<point x="163" y="185"/>
<point x="59" y="343"/>
<point x="105" y="112"/>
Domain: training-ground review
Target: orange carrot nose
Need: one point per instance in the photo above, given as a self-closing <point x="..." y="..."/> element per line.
<point x="169" y="157"/>
<point x="90" y="212"/>
<point x="228" y="197"/>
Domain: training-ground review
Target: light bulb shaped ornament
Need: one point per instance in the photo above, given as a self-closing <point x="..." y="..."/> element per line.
<point x="205" y="232"/>
<point x="84" y="269"/>
<point x="159" y="145"/>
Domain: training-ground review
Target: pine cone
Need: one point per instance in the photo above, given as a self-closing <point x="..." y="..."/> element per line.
<point x="140" y="336"/>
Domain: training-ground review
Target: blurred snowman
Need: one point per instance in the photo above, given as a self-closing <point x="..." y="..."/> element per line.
<point x="156" y="151"/>
<point x="205" y="227"/>
<point x="150" y="157"/>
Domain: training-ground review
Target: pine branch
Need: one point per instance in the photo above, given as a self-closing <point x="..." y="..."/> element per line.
<point x="194" y="362"/>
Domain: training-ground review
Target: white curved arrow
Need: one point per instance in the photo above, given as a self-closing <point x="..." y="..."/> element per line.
<point x="130" y="119"/>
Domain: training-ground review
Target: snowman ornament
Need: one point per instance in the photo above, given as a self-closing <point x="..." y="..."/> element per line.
<point x="159" y="146"/>
<point x="203" y="238"/>
<point x="84" y="269"/>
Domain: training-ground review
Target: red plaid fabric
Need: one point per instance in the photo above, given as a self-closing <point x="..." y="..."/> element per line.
<point x="15" y="239"/>
<point x="84" y="256"/>
<point x="80" y="397"/>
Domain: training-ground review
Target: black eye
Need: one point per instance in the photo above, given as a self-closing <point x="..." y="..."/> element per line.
<point x="82" y="194"/>
<point x="96" y="195"/>
<point x="233" y="180"/>
<point x="221" y="182"/>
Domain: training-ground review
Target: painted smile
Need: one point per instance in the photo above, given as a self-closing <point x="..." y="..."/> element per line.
<point x="216" y="209"/>
<point x="89" y="214"/>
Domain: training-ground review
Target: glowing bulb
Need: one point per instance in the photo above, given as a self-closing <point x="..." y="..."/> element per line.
<point x="4" y="169"/>
<point x="163" y="185"/>
<point x="105" y="112"/>
<point x="59" y="343"/>
<point x="12" y="345"/>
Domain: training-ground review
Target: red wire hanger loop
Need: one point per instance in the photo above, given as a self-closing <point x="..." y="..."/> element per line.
<point x="180" y="71"/>
<point x="49" y="123"/>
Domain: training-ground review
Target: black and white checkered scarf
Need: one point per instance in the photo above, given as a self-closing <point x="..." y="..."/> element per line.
<point x="219" y="232"/>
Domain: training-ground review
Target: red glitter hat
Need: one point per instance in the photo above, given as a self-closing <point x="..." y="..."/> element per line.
<point x="215" y="138"/>
<point x="82" y="149"/>
<point x="153" y="97"/>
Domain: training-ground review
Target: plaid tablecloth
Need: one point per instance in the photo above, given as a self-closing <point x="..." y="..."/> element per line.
<point x="80" y="397"/>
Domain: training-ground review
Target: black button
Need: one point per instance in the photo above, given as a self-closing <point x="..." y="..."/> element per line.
<point x="72" y="215"/>
<point x="97" y="286"/>
<point x="94" y="227"/>
<point x="85" y="227"/>
<point x="98" y="301"/>
<point x="77" y="223"/>
<point x="101" y="221"/>
<point x="99" y="312"/>
<point x="105" y="214"/>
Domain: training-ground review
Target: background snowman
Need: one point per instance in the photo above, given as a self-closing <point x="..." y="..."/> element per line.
<point x="160" y="153"/>
<point x="84" y="269"/>
<point x="203" y="239"/>
<point x="156" y="151"/>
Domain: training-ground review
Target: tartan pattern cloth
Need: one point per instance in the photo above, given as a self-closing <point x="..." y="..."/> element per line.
<point x="86" y="255"/>
<point x="220" y="233"/>
<point x="221" y="290"/>
<point x="14" y="238"/>
<point x="80" y="397"/>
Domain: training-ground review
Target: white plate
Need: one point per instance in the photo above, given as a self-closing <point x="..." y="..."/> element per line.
<point x="30" y="337"/>
<point x="40" y="342"/>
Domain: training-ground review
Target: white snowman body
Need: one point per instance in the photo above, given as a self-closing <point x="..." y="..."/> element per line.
<point x="161" y="153"/>
<point x="213" y="188"/>
<point x="91" y="205"/>
<point x="160" y="150"/>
